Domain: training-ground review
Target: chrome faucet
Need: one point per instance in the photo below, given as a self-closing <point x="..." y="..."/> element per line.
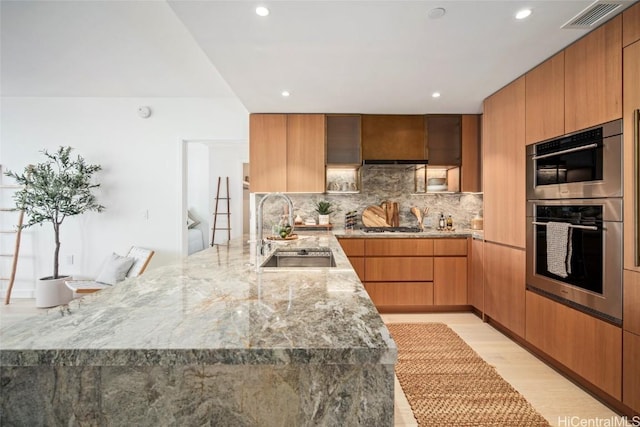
<point x="260" y="243"/>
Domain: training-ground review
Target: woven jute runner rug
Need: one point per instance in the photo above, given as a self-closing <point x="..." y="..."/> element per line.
<point x="448" y="384"/>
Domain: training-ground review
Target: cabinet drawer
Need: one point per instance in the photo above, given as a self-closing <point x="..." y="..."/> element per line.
<point x="450" y="247"/>
<point x="385" y="294"/>
<point x="398" y="247"/>
<point x="352" y="247"/>
<point x="398" y="269"/>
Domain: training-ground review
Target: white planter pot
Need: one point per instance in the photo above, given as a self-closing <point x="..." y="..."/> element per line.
<point x="52" y="292"/>
<point x="323" y="219"/>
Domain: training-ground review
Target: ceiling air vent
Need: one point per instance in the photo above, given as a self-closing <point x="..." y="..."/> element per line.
<point x="586" y="19"/>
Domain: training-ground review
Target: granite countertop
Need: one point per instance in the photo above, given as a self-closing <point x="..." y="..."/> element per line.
<point x="212" y="308"/>
<point x="428" y="233"/>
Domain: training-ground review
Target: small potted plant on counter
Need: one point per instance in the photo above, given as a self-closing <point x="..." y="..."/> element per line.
<point x="324" y="209"/>
<point x="53" y="190"/>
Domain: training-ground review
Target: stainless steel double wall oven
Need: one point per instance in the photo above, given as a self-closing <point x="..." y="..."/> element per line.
<point x="576" y="180"/>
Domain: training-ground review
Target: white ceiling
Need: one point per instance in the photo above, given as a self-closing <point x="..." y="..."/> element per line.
<point x="333" y="56"/>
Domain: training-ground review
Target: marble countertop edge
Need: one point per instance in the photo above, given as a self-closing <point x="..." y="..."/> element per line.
<point x="181" y="357"/>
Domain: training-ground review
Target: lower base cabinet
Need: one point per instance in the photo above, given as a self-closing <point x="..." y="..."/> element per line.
<point x="631" y="366"/>
<point x="403" y="296"/>
<point x="410" y="274"/>
<point x="450" y="280"/>
<point x="590" y="347"/>
<point x="475" y="290"/>
<point x="504" y="286"/>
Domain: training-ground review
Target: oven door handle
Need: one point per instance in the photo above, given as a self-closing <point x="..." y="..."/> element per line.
<point x="582" y="227"/>
<point x="568" y="150"/>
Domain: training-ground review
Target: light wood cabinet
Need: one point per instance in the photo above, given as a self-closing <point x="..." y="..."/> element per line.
<point x="450" y="247"/>
<point x="631" y="25"/>
<point x="544" y="97"/>
<point x="586" y="345"/>
<point x="393" y="137"/>
<point x="267" y="152"/>
<point x="471" y="173"/>
<point x="592" y="78"/>
<point x="631" y="79"/>
<point x="398" y="269"/>
<point x="450" y="271"/>
<point x="399" y="247"/>
<point x="503" y="159"/>
<point x="631" y="340"/>
<point x="352" y="247"/>
<point x="343" y="139"/>
<point x="504" y="286"/>
<point x="393" y="296"/>
<point x="450" y="280"/>
<point x="306" y="153"/>
<point x="631" y="377"/>
<point x="476" y="275"/>
<point x="410" y="274"/>
<point x="631" y="302"/>
<point x="287" y="153"/>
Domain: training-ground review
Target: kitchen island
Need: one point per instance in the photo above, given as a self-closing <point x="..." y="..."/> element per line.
<point x="207" y="341"/>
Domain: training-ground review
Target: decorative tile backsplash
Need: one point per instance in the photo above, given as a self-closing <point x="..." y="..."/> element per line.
<point x="377" y="184"/>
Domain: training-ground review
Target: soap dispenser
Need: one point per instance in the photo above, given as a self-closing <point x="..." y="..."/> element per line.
<point x="441" y="222"/>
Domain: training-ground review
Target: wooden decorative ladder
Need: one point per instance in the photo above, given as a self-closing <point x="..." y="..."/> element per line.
<point x="226" y="213"/>
<point x="18" y="235"/>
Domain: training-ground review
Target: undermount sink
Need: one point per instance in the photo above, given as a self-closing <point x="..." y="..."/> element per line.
<point x="301" y="257"/>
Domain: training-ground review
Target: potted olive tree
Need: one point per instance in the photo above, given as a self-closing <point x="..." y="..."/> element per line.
<point x="53" y="190"/>
<point x="323" y="208"/>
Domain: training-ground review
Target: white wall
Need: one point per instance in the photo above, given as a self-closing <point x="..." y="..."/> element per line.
<point x="226" y="161"/>
<point x="199" y="187"/>
<point x="142" y="171"/>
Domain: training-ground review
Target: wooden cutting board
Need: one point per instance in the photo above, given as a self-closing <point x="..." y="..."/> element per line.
<point x="374" y="216"/>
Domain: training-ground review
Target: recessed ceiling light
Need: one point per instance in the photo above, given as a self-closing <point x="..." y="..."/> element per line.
<point x="436" y="13"/>
<point x="524" y="13"/>
<point x="435" y="95"/>
<point x="285" y="93"/>
<point x="262" y="11"/>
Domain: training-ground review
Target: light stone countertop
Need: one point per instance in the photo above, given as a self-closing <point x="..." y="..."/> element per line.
<point x="428" y="233"/>
<point x="212" y="308"/>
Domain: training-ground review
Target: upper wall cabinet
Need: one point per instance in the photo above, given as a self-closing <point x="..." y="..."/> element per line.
<point x="393" y="137"/>
<point x="471" y="173"/>
<point x="343" y="140"/>
<point x="268" y="152"/>
<point x="544" y="97"/>
<point x="593" y="77"/>
<point x="631" y="25"/>
<point x="443" y="139"/>
<point x="287" y="152"/>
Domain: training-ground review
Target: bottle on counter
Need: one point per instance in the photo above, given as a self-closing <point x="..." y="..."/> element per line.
<point x="441" y="222"/>
<point x="449" y="222"/>
<point x="477" y="222"/>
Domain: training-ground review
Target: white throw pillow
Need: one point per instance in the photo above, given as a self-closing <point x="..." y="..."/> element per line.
<point x="114" y="269"/>
<point x="191" y="220"/>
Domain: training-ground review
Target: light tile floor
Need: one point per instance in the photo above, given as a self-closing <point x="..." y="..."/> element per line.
<point x="560" y="401"/>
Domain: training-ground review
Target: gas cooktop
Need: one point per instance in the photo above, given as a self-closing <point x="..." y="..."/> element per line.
<point x="391" y="229"/>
